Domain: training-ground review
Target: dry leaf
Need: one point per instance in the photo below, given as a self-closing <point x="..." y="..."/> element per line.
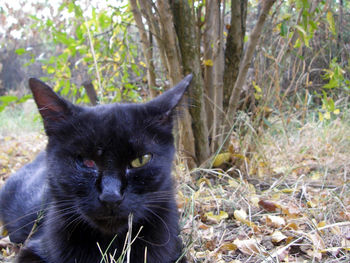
<point x="291" y="210"/>
<point x="275" y="221"/>
<point x="277" y="236"/>
<point x="317" y="241"/>
<point x="221" y="159"/>
<point x="287" y="190"/>
<point x="216" y="218"/>
<point x="240" y="215"/>
<point x="255" y="201"/>
<point x="203" y="181"/>
<point x="248" y="246"/>
<point x="233" y="183"/>
<point x="268" y="205"/>
<point x="227" y="247"/>
<point x="293" y="226"/>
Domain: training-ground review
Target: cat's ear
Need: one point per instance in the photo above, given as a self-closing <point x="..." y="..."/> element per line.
<point x="166" y="102"/>
<point x="51" y="106"/>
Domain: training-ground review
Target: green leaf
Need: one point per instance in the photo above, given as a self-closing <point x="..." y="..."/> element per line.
<point x="135" y="68"/>
<point x="20" y="51"/>
<point x="8" y="99"/>
<point x="283" y="30"/>
<point x="331" y="23"/>
<point x="25" y="98"/>
<point x="35" y="18"/>
<point x="50" y="70"/>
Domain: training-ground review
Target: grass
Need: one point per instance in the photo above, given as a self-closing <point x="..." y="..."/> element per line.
<point x="20" y="119"/>
<point x="286" y="199"/>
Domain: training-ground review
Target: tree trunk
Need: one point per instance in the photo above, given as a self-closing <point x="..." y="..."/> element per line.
<point x="210" y="36"/>
<point x="245" y="64"/>
<point x="173" y="57"/>
<point x="90" y="91"/>
<point x="219" y="65"/>
<point x="186" y="33"/>
<point x="340" y="49"/>
<point x="234" y="47"/>
<point x="146" y="47"/>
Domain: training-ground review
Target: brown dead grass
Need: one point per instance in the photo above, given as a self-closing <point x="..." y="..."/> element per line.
<point x="288" y="201"/>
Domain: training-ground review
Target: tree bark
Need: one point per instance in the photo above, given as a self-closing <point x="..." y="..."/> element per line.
<point x="91" y="92"/>
<point x="340" y="32"/>
<point x="174" y="65"/>
<point x="234" y="47"/>
<point x="245" y="64"/>
<point x="186" y="33"/>
<point x="219" y="66"/>
<point x="214" y="68"/>
<point x="146" y="47"/>
<point x="210" y="37"/>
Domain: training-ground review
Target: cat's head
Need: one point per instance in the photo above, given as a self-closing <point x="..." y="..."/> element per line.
<point x="108" y="161"/>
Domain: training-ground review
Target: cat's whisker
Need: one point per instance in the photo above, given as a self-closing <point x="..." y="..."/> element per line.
<point x="32" y="222"/>
<point x="159" y="207"/>
<point x="165" y="225"/>
<point x="42" y="207"/>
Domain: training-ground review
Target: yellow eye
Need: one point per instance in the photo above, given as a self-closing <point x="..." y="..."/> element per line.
<point x="141" y="161"/>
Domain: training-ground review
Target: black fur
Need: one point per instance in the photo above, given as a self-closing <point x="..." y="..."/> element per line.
<point x="82" y="189"/>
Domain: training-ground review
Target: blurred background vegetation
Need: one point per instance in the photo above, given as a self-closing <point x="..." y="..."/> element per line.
<point x="253" y="61"/>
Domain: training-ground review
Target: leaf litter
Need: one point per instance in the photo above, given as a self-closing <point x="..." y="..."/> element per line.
<point x="293" y="205"/>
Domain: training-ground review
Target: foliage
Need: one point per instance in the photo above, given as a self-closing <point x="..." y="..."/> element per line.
<point x="97" y="47"/>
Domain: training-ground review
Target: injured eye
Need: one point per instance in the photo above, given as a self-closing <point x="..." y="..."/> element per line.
<point x="89" y="163"/>
<point x="141" y="161"/>
<point x="85" y="163"/>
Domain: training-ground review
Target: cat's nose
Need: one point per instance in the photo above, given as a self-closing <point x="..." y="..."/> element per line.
<point x="110" y="191"/>
<point x="111" y="197"/>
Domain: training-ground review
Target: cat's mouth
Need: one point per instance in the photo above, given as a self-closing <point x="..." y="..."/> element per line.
<point x="107" y="219"/>
<point x="111" y="224"/>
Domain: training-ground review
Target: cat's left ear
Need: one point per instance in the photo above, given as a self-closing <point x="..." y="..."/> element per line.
<point x="51" y="106"/>
<point x="166" y="102"/>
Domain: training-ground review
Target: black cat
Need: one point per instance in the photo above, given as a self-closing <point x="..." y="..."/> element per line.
<point x="103" y="167"/>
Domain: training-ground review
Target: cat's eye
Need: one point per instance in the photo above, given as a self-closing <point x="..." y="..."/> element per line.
<point x="141" y="161"/>
<point x="85" y="163"/>
<point x="89" y="163"/>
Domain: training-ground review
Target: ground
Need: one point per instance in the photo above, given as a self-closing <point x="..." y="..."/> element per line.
<point x="287" y="199"/>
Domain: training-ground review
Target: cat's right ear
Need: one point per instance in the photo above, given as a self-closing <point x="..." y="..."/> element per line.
<point x="51" y="106"/>
<point x="166" y="102"/>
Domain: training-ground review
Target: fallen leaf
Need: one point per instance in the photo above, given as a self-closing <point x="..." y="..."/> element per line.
<point x="221" y="158"/>
<point x="293" y="226"/>
<point x="247" y="246"/>
<point x="240" y="215"/>
<point x="227" y="247"/>
<point x="268" y="205"/>
<point x="278" y="236"/>
<point x="203" y="181"/>
<point x="287" y="190"/>
<point x="216" y="218"/>
<point x="233" y="183"/>
<point x="275" y="221"/>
